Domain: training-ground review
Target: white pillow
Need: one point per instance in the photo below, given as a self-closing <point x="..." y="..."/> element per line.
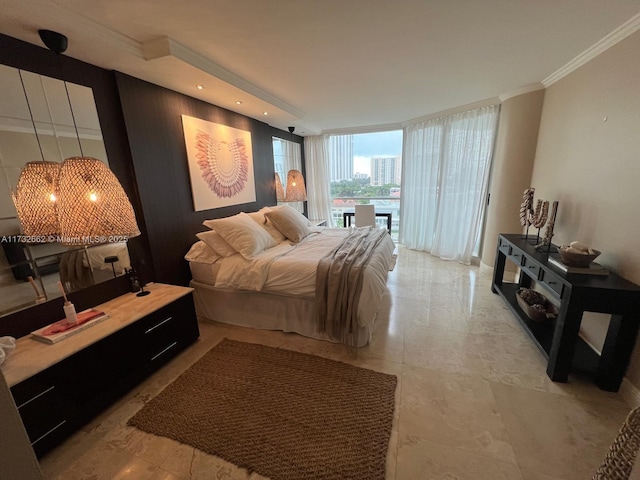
<point x="290" y="222"/>
<point x="243" y="234"/>
<point x="216" y="243"/>
<point x="258" y="217"/>
<point x="274" y="232"/>
<point x="268" y="226"/>
<point x="200" y="252"/>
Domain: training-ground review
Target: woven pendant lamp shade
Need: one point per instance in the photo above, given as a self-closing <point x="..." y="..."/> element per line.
<point x="93" y="207"/>
<point x="296" y="192"/>
<point x="35" y="199"/>
<point x="279" y="189"/>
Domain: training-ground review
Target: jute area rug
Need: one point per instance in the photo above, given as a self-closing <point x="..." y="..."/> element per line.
<point x="282" y="414"/>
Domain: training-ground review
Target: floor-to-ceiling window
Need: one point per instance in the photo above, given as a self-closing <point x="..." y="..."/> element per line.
<point x="366" y="168"/>
<point x="446" y="174"/>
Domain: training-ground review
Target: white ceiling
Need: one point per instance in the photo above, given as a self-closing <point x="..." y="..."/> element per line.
<point x="328" y="65"/>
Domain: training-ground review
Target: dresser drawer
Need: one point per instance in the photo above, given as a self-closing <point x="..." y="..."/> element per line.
<point x="43" y="407"/>
<point x="505" y="247"/>
<point x="516" y="257"/>
<point x="167" y="329"/>
<point x="531" y="267"/>
<point x="553" y="282"/>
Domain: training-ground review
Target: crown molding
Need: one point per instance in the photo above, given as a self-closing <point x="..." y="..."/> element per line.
<point x="165" y="46"/>
<point x="386" y="127"/>
<point x="92" y="29"/>
<point x="452" y="111"/>
<point x="400" y="125"/>
<point x="521" y="91"/>
<point x="19" y="125"/>
<point x="623" y="31"/>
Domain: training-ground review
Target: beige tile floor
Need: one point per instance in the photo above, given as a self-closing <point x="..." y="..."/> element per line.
<point x="473" y="400"/>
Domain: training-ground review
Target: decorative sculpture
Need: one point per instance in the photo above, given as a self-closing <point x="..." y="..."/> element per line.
<point x="525" y="207"/>
<point x="537" y="217"/>
<point x="548" y="233"/>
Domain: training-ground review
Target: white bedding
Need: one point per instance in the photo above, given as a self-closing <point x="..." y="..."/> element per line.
<point x="98" y="253"/>
<point x="290" y="269"/>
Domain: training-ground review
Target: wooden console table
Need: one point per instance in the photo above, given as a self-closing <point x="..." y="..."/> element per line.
<point x="558" y="340"/>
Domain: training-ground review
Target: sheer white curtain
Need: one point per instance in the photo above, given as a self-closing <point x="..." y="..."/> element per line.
<point x="318" y="179"/>
<point x="444" y="182"/>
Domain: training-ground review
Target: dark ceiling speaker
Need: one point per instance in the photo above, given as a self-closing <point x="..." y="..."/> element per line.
<point x="56" y="42"/>
<point x="291" y="129"/>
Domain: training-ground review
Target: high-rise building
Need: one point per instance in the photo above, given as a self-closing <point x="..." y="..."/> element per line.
<point x="386" y="170"/>
<point x="341" y="147"/>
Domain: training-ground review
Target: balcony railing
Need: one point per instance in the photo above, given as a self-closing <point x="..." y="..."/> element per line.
<point x="391" y="205"/>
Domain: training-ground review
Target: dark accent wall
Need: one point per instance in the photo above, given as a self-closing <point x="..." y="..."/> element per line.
<point x="26" y="56"/>
<point x="142" y="129"/>
<point x="153" y="121"/>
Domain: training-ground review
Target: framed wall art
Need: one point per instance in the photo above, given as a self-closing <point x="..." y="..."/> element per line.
<point x="220" y="164"/>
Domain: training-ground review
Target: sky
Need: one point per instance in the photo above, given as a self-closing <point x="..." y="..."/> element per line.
<point x="362" y="165"/>
<point x="367" y="145"/>
<point x="378" y="144"/>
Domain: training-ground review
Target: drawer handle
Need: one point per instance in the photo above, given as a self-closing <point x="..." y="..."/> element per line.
<point x="37" y="396"/>
<point x="49" y="432"/>
<point x="149" y="330"/>
<point x="532" y="266"/>
<point x="552" y="282"/>
<point x="163" y="351"/>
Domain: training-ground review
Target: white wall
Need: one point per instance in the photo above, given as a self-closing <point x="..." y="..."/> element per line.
<point x="588" y="158"/>
<point x="512" y="166"/>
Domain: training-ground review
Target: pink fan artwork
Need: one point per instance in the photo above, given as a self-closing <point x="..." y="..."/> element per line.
<point x="224" y="165"/>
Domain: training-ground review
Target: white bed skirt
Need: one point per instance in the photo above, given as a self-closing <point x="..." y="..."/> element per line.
<point x="263" y="311"/>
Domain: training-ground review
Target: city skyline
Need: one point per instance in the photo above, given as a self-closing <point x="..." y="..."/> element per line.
<point x="369" y="145"/>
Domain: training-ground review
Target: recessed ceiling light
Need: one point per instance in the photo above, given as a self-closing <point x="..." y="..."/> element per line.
<point x="266" y="113"/>
<point x="199" y="87"/>
<point x="238" y="102"/>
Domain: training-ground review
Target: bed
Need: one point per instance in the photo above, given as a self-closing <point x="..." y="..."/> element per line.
<point x="80" y="268"/>
<point x="275" y="284"/>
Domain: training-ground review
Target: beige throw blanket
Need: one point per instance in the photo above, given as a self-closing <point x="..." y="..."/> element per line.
<point x="339" y="283"/>
<point x="73" y="273"/>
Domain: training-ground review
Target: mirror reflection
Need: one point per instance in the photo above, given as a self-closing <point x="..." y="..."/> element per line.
<point x="29" y="272"/>
<point x="287" y="156"/>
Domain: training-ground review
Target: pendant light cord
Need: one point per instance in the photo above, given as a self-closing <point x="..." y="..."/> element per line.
<point x="26" y="97"/>
<point x="73" y="117"/>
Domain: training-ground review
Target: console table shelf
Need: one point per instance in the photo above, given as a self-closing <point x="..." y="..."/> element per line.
<point x="584" y="359"/>
<point x="558" y="340"/>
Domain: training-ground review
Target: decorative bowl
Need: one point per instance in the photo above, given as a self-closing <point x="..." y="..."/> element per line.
<point x="539" y="312"/>
<point x="572" y="259"/>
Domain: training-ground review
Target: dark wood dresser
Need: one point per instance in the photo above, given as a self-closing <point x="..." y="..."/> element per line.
<point x="57" y="388"/>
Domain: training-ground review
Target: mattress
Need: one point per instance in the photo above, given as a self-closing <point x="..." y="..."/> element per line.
<point x="204" y="272"/>
<point x="289" y="271"/>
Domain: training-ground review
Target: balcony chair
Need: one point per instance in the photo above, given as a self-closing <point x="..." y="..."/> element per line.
<point x="365" y="215"/>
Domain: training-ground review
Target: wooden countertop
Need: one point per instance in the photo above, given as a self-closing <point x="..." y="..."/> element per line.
<point x="32" y="356"/>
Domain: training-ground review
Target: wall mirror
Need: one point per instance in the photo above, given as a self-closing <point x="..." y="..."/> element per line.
<point x="287" y="156"/>
<point x="23" y="94"/>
